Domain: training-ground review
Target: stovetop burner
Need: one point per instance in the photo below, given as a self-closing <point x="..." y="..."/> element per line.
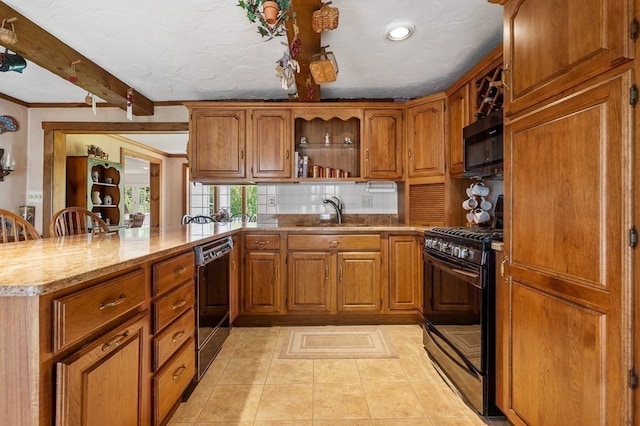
<point x="476" y="234"/>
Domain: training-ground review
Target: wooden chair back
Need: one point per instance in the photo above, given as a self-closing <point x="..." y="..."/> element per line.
<point x="15" y="228"/>
<point x="76" y="220"/>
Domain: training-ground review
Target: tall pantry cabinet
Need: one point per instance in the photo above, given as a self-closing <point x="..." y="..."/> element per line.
<point x="569" y="171"/>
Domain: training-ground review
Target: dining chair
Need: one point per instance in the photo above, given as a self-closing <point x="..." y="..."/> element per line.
<point x="199" y="219"/>
<point x="14" y="227"/>
<point x="76" y="220"/>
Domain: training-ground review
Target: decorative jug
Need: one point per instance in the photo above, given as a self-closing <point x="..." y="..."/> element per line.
<point x="95" y="197"/>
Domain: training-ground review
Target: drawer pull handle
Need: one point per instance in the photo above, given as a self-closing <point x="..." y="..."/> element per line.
<point x="113" y="303"/>
<point x="179" y="304"/>
<point x="179" y="372"/>
<point x="334" y="244"/>
<point x="340" y="278"/>
<point x="179" y="271"/>
<point x="326" y="272"/>
<point x="115" y="342"/>
<point x="262" y="243"/>
<point x="177" y="336"/>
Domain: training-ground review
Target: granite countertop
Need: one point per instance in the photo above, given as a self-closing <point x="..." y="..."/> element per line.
<point x="31" y="268"/>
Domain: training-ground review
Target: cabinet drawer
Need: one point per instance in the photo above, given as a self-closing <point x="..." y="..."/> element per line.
<point x="172" y="380"/>
<point x="262" y="242"/>
<point x="81" y="313"/>
<point x="334" y="242"/>
<point x="171" y="306"/>
<point x="167" y="342"/>
<point x="172" y="272"/>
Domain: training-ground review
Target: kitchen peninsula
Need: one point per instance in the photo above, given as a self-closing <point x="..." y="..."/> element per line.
<point x="76" y="302"/>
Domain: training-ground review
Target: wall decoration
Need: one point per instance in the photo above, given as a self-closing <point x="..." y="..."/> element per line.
<point x="261" y="12"/>
<point x="28" y="213"/>
<point x="8" y="124"/>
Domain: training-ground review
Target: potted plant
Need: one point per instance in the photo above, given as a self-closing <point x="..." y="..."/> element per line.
<point x="270" y="15"/>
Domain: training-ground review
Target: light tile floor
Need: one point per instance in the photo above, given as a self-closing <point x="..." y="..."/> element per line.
<point x="248" y="384"/>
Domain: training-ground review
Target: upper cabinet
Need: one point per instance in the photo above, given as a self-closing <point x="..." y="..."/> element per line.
<point x="217" y="140"/>
<point x="329" y="140"/>
<point x="271" y="143"/>
<point x="425" y="139"/>
<point x="569" y="46"/>
<point x="459" y="116"/>
<point x="382" y="144"/>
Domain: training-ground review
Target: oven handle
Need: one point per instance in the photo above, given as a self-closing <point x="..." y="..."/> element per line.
<point x="471" y="277"/>
<point x="467" y="365"/>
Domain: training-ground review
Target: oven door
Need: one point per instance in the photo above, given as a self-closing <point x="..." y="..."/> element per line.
<point x="454" y="327"/>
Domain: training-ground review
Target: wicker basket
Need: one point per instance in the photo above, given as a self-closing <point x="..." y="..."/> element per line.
<point x="325" y="19"/>
<point x="324" y="68"/>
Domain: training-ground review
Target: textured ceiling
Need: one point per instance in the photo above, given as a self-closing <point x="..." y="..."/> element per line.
<point x="207" y="50"/>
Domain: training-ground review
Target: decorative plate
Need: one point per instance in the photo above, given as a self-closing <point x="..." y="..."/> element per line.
<point x="8" y="124"/>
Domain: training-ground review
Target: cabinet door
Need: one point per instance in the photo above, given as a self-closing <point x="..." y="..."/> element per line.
<point x="459" y="112"/>
<point x="271" y="143"/>
<point x="425" y="130"/>
<point x="569" y="269"/>
<point x="101" y="384"/>
<point x="262" y="292"/>
<point x="405" y="278"/>
<point x="383" y="146"/>
<point x="574" y="41"/>
<point x="217" y="145"/>
<point x="359" y="282"/>
<point x="234" y="281"/>
<point x="311" y="279"/>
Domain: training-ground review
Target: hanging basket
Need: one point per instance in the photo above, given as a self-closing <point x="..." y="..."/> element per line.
<point x="323" y="67"/>
<point x="8" y="36"/>
<point x="326" y="18"/>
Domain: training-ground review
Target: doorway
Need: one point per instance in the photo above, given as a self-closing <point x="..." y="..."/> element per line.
<point x="54" y="156"/>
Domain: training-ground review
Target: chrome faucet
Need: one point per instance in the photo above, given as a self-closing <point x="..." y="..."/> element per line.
<point x="337" y="205"/>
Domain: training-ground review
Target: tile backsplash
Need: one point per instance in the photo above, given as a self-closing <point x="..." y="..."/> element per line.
<point x="306" y="198"/>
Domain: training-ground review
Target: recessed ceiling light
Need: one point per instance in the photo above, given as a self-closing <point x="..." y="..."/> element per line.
<point x="399" y="31"/>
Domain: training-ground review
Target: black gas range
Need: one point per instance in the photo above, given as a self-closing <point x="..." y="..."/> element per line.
<point x="459" y="311"/>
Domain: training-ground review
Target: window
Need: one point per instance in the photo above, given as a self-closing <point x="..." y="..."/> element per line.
<point x="237" y="199"/>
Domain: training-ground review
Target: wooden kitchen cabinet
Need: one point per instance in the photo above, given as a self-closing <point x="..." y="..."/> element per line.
<point x="568" y="270"/>
<point x="310" y="282"/>
<point x="425" y="138"/>
<point x="405" y="272"/>
<point x="459" y="117"/>
<point x="271" y="143"/>
<point x="217" y="144"/>
<point x="101" y="384"/>
<point x="575" y="41"/>
<point x="332" y="273"/>
<point x="382" y="144"/>
<point x="234" y="280"/>
<point x="173" y="327"/>
<point x="262" y="292"/>
<point x="359" y="282"/>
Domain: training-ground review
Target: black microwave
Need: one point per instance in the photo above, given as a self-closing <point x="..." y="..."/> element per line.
<point x="482" y="147"/>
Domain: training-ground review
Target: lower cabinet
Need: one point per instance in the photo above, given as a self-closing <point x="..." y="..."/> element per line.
<point x="234" y="281"/>
<point x="101" y="384"/>
<point x="359" y="282"/>
<point x="405" y="273"/>
<point x="311" y="278"/>
<point x="262" y="293"/>
<point x="334" y="273"/>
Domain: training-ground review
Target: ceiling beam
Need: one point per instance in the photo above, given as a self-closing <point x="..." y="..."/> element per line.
<point x="310" y="46"/>
<point x="45" y="50"/>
